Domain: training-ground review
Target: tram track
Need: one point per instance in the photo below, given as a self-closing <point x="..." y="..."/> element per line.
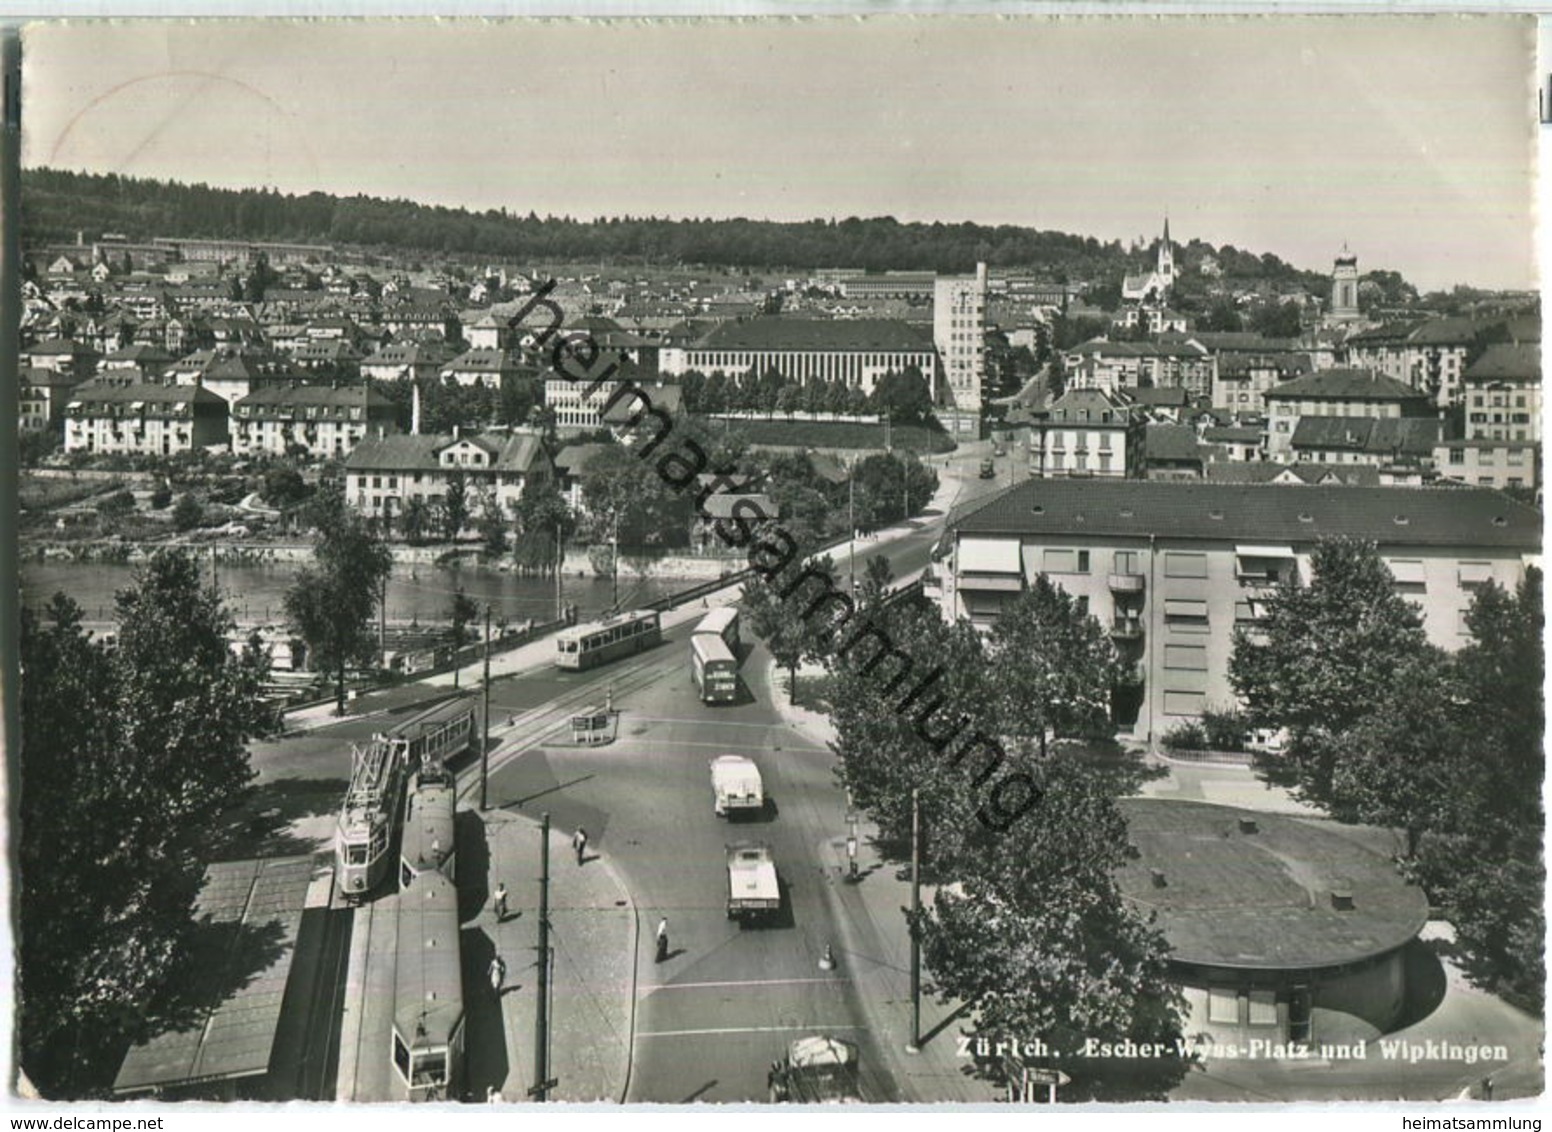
<point x="630" y="676"/>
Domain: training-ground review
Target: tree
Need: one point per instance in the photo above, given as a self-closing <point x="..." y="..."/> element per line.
<point x="876" y="577"/>
<point x="493" y="526"/>
<point x="542" y="518"/>
<point x="130" y="762"/>
<point x="461" y="611"/>
<point x="330" y="604"/>
<point x="187" y="513"/>
<point x="454" y="508"/>
<point x="414" y="520"/>
<point x="1324" y="654"/>
<point x="1052" y="667"/>
<point x="1036" y="940"/>
<point x="284" y="487"/>
<point x="776" y="622"/>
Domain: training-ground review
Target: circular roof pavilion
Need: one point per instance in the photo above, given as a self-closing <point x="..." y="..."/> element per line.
<point x="1243" y="889"/>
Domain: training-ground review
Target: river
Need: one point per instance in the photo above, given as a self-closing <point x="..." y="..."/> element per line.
<point x="255" y="593"/>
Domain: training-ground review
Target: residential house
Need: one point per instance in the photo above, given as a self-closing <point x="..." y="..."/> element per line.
<point x="1502" y="394"/>
<point x="1385" y="442"/>
<point x="1337" y="393"/>
<point x="1087" y="432"/>
<point x="384" y="474"/>
<point x="1489" y="463"/>
<point x="42" y="396"/>
<point x="1173" y="569"/>
<point x="144" y="419"/>
<point x="326" y="420"/>
<point x="137" y="362"/>
<point x="490" y="368"/>
<point x="421" y="361"/>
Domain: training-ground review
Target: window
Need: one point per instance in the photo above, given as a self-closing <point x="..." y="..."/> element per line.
<point x="1475" y="573"/>
<point x="1063" y="561"/>
<point x="1223" y="1005"/>
<point x="1183" y="611"/>
<point x="1263" y="1008"/>
<point x="1184" y="703"/>
<point x="1457" y="455"/>
<point x="1126" y="562"/>
<point x="1408" y="572"/>
<point x="1192" y="658"/>
<point x="1083" y="562"/>
<point x="1180" y="564"/>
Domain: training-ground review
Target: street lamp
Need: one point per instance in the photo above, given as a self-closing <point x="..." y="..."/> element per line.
<point x="851" y="523"/>
<point x="485" y="725"/>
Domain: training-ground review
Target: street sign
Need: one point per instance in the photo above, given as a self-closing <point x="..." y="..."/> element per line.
<point x="1039" y="1076"/>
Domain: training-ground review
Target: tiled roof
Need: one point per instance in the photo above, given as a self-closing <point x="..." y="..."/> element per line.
<point x="516" y="452"/>
<point x="1346" y="385"/>
<point x="321" y="395"/>
<point x="139" y="352"/>
<point x="1506" y="363"/>
<point x="1173" y="442"/>
<point x="1232" y="434"/>
<point x="95" y="394"/>
<point x="1260" y="472"/>
<point x="1167" y="396"/>
<point x="1445" y="332"/>
<point x="1407" y="436"/>
<point x="572" y="459"/>
<point x="816" y="334"/>
<point x="1429" y="516"/>
<point x="481" y="361"/>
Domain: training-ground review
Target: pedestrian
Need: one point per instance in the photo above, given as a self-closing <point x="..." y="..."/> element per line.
<point x="662" y="939"/>
<point x="579" y="843"/>
<point x="498" y="974"/>
<point x="499" y="902"/>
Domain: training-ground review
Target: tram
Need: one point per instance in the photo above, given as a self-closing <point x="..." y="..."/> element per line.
<point x="428" y="1012"/>
<point x="598" y="642"/>
<point x="430" y="805"/>
<point x="374" y="801"/>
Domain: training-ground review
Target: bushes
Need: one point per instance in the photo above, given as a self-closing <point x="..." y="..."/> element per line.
<point x="1189" y="736"/>
<point x="1217" y="731"/>
<point x="119" y="503"/>
<point x="188" y="514"/>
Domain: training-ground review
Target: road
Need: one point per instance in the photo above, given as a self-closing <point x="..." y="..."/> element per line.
<point x="713" y="1017"/>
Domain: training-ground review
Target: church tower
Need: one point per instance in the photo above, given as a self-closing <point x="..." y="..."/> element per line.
<point x="1344" y="288"/>
<point x="1166" y="268"/>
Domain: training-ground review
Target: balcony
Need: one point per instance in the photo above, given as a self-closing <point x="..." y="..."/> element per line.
<point x="1126" y="583"/>
<point x="1126" y="629"/>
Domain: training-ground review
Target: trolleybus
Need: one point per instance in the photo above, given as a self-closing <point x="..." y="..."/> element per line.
<point x="714" y="669"/>
<point x="722" y="621"/>
<point x="598" y="642"/>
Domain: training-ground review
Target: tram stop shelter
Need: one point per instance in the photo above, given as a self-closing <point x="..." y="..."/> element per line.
<point x="249" y="915"/>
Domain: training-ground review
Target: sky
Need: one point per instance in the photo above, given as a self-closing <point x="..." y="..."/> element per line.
<point x="1408" y="138"/>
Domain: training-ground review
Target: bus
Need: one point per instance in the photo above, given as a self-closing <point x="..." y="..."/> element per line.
<point x="723" y="621"/>
<point x="714" y="669"/>
<point x="598" y="642"/>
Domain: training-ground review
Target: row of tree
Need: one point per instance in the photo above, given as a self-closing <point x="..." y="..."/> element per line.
<point x="1028" y="929"/>
<point x="904" y="397"/>
<point x="1385" y="727"/>
<point x="132" y="760"/>
<point x="58" y="203"/>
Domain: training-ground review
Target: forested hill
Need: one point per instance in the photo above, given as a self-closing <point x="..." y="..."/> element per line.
<point x="56" y="204"/>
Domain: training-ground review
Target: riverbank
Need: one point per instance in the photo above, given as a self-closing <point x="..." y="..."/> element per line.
<point x="579" y="563"/>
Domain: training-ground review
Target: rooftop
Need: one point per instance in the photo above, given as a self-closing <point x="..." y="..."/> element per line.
<point x="1345" y="385"/>
<point x="816" y="334"/>
<point x="1455" y="516"/>
<point x="1263" y="898"/>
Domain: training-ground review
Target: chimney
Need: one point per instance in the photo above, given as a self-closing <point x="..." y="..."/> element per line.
<point x="414" y="407"/>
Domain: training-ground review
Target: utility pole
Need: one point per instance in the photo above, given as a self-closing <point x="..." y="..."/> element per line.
<point x="614" y="566"/>
<point x="485" y="728"/>
<point x="851" y="520"/>
<point x="914" y="1045"/>
<point x="542" y="1082"/>
<point x="560" y="568"/>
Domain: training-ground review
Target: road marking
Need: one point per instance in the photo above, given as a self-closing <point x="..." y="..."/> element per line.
<point x="816" y="1028"/>
<point x="748" y="983"/>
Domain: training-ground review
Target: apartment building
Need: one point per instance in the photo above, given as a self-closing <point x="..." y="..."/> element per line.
<point x="382" y="474"/>
<point x="327" y="420"/>
<point x="1172" y="569"/>
<point x="142" y="419"/>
